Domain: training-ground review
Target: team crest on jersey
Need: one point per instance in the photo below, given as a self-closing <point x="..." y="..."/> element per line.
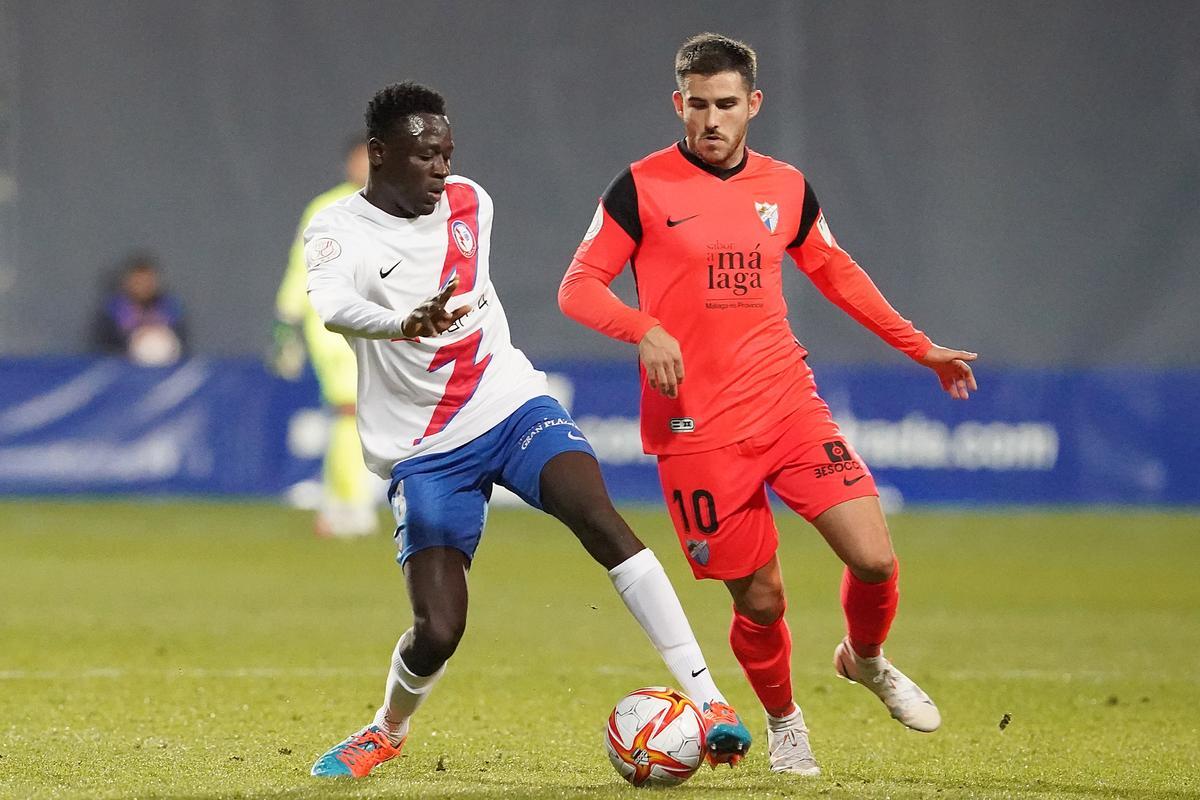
<point x="325" y="249"/>
<point x="463" y="237"/>
<point x="768" y="213"/>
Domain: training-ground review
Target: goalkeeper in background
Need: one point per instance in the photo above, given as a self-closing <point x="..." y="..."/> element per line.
<point x="348" y="503"/>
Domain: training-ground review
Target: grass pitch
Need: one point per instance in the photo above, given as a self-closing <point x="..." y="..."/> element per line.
<point x="214" y="650"/>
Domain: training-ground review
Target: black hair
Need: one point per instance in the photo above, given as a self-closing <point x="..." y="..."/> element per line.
<point x="393" y="104"/>
<point x="710" y="53"/>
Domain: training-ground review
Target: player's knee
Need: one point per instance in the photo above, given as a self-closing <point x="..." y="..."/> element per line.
<point x="875" y="568"/>
<point x="763" y="607"/>
<point x="436" y="639"/>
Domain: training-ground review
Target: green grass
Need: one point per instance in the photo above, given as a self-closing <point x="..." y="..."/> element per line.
<point x="214" y="650"/>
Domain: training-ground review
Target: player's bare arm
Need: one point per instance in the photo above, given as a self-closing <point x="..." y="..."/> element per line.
<point x="431" y="317"/>
<point x="953" y="371"/>
<point x="660" y="355"/>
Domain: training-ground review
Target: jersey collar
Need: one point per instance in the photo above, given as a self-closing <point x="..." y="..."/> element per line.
<point x="724" y="173"/>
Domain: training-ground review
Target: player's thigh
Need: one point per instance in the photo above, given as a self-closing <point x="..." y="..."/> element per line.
<point x="540" y="430"/>
<point x="823" y="479"/>
<point x="718" y="504"/>
<point x="437" y="507"/>
<point x="813" y="466"/>
<point x="857" y="531"/>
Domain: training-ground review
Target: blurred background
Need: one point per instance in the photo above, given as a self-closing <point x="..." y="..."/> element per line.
<point x="1021" y="179"/>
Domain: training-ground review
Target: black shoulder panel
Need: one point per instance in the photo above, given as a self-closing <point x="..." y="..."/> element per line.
<point x="621" y="202"/>
<point x="808" y="215"/>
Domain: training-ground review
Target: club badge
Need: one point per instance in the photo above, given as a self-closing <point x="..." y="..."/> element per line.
<point x="463" y="237"/>
<point x="768" y="213"/>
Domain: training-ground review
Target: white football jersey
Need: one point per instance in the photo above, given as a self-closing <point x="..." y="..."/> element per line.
<point x="366" y="271"/>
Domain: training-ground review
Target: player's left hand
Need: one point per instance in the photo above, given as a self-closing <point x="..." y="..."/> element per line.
<point x="431" y="317"/>
<point x="952" y="370"/>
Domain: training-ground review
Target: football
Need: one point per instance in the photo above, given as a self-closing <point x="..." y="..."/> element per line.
<point x="655" y="737"/>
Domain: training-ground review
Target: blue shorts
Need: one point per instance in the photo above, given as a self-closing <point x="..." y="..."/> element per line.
<point x="440" y="500"/>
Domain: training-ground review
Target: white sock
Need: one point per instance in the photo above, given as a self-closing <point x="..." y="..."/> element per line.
<point x="776" y="723"/>
<point x="403" y="694"/>
<point x="649" y="596"/>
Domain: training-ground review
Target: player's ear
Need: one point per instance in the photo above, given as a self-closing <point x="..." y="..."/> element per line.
<point x="756" y="98"/>
<point x="375" y="151"/>
<point x="677" y="99"/>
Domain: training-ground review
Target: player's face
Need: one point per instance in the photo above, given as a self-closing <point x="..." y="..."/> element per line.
<point x="716" y="110"/>
<point x="409" y="168"/>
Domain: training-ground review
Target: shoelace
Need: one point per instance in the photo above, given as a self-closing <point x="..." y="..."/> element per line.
<point x="719" y="713"/>
<point x="361" y="748"/>
<point x="797" y="754"/>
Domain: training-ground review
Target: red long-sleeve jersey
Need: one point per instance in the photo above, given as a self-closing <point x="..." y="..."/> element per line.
<point x="706" y="246"/>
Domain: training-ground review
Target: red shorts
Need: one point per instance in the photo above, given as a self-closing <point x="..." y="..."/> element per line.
<point x="718" y="499"/>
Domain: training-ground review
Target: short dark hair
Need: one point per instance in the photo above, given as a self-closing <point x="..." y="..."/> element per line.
<point x="393" y="104"/>
<point x="710" y="53"/>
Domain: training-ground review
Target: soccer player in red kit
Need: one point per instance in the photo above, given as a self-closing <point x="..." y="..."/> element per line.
<point x="705" y="224"/>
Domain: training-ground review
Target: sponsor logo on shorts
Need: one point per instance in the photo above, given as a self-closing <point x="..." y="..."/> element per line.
<point x="841" y="461"/>
<point x="837" y="451"/>
<point x="682" y="424"/>
<point x="546" y="424"/>
<point x="698" y="551"/>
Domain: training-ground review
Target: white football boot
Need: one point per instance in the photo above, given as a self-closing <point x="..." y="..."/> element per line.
<point x="908" y="704"/>
<point x="787" y="745"/>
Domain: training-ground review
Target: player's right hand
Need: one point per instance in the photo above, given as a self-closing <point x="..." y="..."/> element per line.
<point x="431" y="317"/>
<point x="663" y="360"/>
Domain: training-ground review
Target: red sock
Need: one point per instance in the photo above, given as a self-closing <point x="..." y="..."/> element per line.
<point x="870" y="609"/>
<point x="765" y="653"/>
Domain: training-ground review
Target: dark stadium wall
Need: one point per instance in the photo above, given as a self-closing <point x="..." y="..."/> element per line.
<point x="1020" y="178"/>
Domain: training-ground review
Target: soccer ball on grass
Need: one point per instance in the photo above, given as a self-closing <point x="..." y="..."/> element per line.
<point x="655" y="737"/>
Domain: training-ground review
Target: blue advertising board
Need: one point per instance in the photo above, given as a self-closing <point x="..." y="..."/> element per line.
<point x="228" y="427"/>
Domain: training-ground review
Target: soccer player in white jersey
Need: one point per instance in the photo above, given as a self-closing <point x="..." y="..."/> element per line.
<point x="447" y="407"/>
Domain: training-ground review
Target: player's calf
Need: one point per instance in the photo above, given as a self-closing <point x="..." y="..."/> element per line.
<point x="573" y="491"/>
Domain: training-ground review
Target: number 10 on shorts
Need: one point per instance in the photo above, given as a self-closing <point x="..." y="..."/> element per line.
<point x="703" y="511"/>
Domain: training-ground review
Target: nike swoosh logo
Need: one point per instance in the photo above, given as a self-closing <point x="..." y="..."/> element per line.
<point x="671" y="223"/>
<point x="383" y="274"/>
<point x="696" y="674"/>
<point x="571" y="435"/>
<point x="849" y="482"/>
